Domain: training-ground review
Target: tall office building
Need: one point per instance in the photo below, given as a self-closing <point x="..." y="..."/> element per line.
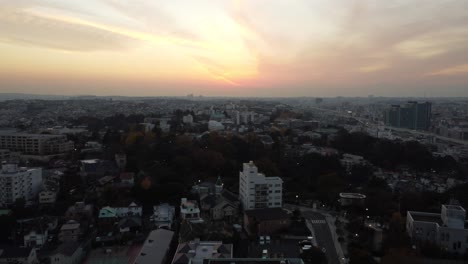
<point x="258" y="191"/>
<point x="16" y="183"/>
<point x="392" y="116"/>
<point x="412" y="115"/>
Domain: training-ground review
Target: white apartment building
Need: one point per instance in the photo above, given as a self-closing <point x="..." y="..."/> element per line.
<point x="35" y="144"/>
<point x="446" y="229"/>
<point x="258" y="191"/>
<point x="18" y="183"/>
<point x="187" y="119"/>
<point x="4" y="154"/>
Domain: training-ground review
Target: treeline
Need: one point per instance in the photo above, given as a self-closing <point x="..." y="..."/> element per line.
<point x="391" y="154"/>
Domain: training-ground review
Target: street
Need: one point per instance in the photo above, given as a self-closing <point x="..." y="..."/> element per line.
<point x="323" y="235"/>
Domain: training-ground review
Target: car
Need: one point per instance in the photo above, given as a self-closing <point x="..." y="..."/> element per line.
<point x="305" y="242"/>
<point x="262" y="240"/>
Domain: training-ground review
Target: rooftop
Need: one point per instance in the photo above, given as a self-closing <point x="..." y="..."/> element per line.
<point x="426" y="217"/>
<point x="70" y="225"/>
<point x="156" y="246"/>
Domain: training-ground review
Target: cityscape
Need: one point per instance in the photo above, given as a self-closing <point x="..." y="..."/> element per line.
<point x="196" y="179"/>
<point x="233" y="132"/>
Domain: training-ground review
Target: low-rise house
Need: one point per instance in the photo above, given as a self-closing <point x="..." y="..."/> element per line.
<point x="156" y="247"/>
<point x="196" y="251"/>
<point x="79" y="211"/>
<point x="94" y="168"/>
<point x="68" y="253"/>
<point x="18" y="255"/>
<point x="130" y="224"/>
<point x="163" y="216"/>
<point x="107" y="212"/>
<point x="70" y="232"/>
<point x="266" y="221"/>
<point x="217" y="202"/>
<point x="36" y="231"/>
<point x="189" y="210"/>
<point x="131" y="210"/>
<point x="107" y="218"/>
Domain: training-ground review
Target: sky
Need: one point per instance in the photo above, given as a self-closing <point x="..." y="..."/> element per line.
<point x="272" y="48"/>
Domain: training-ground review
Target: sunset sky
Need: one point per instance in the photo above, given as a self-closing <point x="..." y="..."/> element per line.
<point x="235" y="48"/>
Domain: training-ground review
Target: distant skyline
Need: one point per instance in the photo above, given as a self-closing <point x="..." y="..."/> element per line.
<point x="270" y="48"/>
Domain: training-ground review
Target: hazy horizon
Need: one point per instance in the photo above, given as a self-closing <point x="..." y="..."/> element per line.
<point x="235" y="48"/>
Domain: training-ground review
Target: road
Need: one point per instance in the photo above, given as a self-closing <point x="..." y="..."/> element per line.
<point x="413" y="132"/>
<point x="323" y="235"/>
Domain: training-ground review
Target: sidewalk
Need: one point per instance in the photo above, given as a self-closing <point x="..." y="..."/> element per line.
<point x="331" y="224"/>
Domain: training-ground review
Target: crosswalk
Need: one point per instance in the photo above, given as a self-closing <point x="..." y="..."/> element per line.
<point x="318" y="221"/>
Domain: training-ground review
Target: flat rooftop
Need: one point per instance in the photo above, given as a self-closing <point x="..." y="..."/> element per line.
<point x="426" y="217"/>
<point x="454" y="207"/>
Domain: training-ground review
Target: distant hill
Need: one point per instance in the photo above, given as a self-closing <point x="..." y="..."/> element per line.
<point x="22" y="96"/>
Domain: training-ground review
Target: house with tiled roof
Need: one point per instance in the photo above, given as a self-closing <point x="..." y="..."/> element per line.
<point x="68" y="253"/>
<point x="216" y="201"/>
<point x="70" y="232"/>
<point x="107" y="212"/>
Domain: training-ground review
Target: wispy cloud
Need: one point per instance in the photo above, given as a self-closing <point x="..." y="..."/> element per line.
<point x="31" y="29"/>
<point x="455" y="70"/>
<point x="270" y="43"/>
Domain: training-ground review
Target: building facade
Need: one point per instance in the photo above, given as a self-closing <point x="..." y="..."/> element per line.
<point x="35" y="144"/>
<point x="258" y="191"/>
<point x="17" y="183"/>
<point x="412" y="115"/>
<point x="446" y="229"/>
<point x="189" y="210"/>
